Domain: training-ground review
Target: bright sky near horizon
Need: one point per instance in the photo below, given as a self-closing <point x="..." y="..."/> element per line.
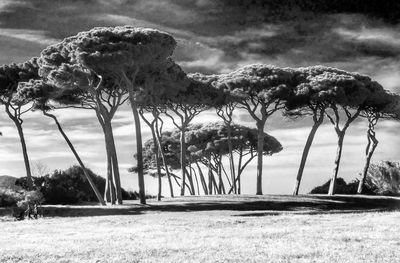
<point x="213" y="37"/>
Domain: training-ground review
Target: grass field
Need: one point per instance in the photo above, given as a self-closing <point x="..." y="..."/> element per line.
<point x="211" y="229"/>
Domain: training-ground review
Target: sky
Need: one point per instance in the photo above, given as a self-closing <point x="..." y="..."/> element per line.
<point x="214" y="36"/>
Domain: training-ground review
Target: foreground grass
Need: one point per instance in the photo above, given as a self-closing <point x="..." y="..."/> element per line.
<point x="205" y="236"/>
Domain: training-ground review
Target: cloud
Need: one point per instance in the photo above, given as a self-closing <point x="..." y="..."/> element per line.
<point x="35" y="36"/>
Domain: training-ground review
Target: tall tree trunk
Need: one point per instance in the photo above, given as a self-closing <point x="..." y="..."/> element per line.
<point x="161" y="151"/>
<point x="202" y="179"/>
<point x="306" y="150"/>
<point x="260" y="146"/>
<point x="158" y="164"/>
<point x="25" y="154"/>
<point x="231" y="160"/>
<point x="109" y="194"/>
<point x="210" y="182"/>
<point x="193" y="171"/>
<point x="139" y="150"/>
<point x="183" y="159"/>
<point x="96" y="191"/>
<point x="370" y="152"/>
<point x="114" y="160"/>
<point x="239" y="176"/>
<point x="332" y="184"/>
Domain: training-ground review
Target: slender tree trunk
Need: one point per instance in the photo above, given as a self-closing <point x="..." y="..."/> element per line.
<point x="370" y="152"/>
<point x="210" y="182"/>
<point x="231" y="160"/>
<point x="114" y="160"/>
<point x="239" y="181"/>
<point x="306" y="150"/>
<point x="197" y="180"/>
<point x="24" y="153"/>
<point x="139" y="149"/>
<point x="96" y="191"/>
<point x="332" y="184"/>
<point x="219" y="173"/>
<point x="202" y="179"/>
<point x="109" y="193"/>
<point x="183" y="159"/>
<point x="260" y="146"/>
<point x="171" y="189"/>
<point x="158" y="164"/>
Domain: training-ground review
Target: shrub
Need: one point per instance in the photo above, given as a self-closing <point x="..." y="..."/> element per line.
<point x="385" y="177"/>
<point x="70" y="186"/>
<point x="9" y="197"/>
<point x="344" y="188"/>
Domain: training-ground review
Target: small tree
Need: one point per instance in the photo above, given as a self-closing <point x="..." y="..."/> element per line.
<point x="264" y="90"/>
<point x="381" y="104"/>
<point x="10" y="76"/>
<point x="207" y="144"/>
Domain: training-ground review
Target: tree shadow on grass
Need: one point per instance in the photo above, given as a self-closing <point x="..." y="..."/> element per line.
<point x="271" y="205"/>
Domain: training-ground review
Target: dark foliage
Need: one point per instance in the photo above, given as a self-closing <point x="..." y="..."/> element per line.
<point x="70" y="186"/>
<point x="344" y="188"/>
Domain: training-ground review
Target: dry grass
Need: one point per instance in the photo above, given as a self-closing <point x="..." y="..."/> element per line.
<point x="152" y="235"/>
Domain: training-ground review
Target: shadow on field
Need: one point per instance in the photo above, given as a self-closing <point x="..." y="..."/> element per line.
<point x="270" y="204"/>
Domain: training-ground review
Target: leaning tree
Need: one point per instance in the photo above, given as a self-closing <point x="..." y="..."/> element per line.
<point x="198" y="96"/>
<point x="306" y="101"/>
<point x="10" y="76"/>
<point x="110" y="57"/>
<point x="345" y="93"/>
<point x="42" y="95"/>
<point x="264" y="90"/>
<point x="381" y="104"/>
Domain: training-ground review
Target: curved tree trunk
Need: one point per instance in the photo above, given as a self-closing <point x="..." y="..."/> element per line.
<point x="306" y="150"/>
<point x="260" y="146"/>
<point x="24" y="153"/>
<point x="332" y="184"/>
<point x="183" y="159"/>
<point x="139" y="150"/>
<point x="370" y="152"/>
<point x="96" y="191"/>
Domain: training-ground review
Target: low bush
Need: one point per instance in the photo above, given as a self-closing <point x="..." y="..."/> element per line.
<point x="9" y="197"/>
<point x="70" y="186"/>
<point x="383" y="178"/>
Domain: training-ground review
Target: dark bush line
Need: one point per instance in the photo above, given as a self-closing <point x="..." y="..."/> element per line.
<point x="70" y="187"/>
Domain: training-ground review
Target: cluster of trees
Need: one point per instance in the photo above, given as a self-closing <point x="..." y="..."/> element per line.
<point x="103" y="68"/>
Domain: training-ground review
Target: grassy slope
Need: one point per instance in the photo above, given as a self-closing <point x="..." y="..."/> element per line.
<point x="297" y="233"/>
